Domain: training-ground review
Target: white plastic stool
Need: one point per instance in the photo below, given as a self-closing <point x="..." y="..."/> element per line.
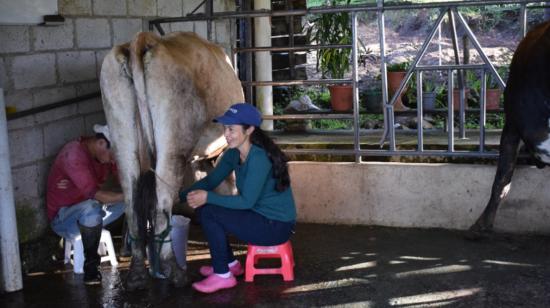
<point x="106" y="250"/>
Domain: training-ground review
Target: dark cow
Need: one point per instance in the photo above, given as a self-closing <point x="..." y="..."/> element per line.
<point x="527" y="111"/>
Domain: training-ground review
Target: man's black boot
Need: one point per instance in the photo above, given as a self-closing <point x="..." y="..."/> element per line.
<point x="90" y="241"/>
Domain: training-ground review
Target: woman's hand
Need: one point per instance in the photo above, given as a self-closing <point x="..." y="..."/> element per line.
<point x="197" y="198"/>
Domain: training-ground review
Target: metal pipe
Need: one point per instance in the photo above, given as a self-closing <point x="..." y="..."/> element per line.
<point x="159" y="29"/>
<point x="482" y="54"/>
<point x="209" y="11"/>
<point x="355" y="83"/>
<point x="66" y="102"/>
<point x="523" y="20"/>
<point x="291" y="29"/>
<point x="295" y="48"/>
<point x="9" y="243"/>
<point x="383" y="69"/>
<point x="460" y="76"/>
<point x="385" y="153"/>
<point x="349" y="9"/>
<point x="198" y="7"/>
<point x="418" y="57"/>
<point x="482" y="111"/>
<point x="419" y="113"/>
<point x="409" y="72"/>
<point x="389" y="120"/>
<point x="448" y="67"/>
<point x="450" y="116"/>
<point x="297" y="82"/>
<point x="310" y="116"/>
<point x="439" y="50"/>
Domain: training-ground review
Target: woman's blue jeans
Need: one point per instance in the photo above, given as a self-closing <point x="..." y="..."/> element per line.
<point x="88" y="213"/>
<point x="246" y="225"/>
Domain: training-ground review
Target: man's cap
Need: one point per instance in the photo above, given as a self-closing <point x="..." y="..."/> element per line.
<point x="103" y="129"/>
<point x="241" y="113"/>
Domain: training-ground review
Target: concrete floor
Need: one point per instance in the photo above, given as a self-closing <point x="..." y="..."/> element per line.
<point x="337" y="266"/>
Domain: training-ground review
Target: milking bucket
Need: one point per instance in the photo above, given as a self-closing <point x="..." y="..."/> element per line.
<point x="179" y="235"/>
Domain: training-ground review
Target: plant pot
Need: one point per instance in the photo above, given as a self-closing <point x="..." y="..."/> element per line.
<point x="374" y="101"/>
<point x="456" y="98"/>
<point x="492" y="99"/>
<point x="341" y="97"/>
<point x="428" y="100"/>
<point x="394" y="80"/>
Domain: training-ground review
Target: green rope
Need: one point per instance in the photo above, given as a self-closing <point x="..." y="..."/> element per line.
<point x="160" y="238"/>
<point x="157" y="238"/>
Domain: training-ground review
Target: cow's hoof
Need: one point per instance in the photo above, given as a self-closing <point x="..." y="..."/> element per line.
<point x="176" y="275"/>
<point x="137" y="278"/>
<point x="179" y="278"/>
<point x="476" y="233"/>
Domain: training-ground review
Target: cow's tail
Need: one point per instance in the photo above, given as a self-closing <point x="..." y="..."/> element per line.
<point x="141" y="51"/>
<point x="144" y="206"/>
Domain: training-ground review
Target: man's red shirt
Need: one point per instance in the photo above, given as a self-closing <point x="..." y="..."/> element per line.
<point x="75" y="176"/>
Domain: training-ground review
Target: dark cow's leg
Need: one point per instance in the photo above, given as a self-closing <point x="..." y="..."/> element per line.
<point x="509" y="144"/>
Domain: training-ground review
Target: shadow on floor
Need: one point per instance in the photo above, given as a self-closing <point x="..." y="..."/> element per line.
<point x="337" y="265"/>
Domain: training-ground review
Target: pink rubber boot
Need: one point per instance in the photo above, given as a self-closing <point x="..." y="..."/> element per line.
<point x="236" y="270"/>
<point x="214" y="283"/>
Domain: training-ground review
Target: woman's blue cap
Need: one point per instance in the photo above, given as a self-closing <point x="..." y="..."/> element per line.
<point x="241" y="113"/>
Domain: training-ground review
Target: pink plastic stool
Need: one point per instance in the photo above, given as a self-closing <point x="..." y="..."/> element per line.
<point x="283" y="251"/>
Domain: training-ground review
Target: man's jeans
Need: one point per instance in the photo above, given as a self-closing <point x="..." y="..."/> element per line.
<point x="88" y="213"/>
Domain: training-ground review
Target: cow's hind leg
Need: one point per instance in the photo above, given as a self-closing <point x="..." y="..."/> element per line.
<point x="168" y="170"/>
<point x="142" y="213"/>
<point x="120" y="107"/>
<point x="509" y="144"/>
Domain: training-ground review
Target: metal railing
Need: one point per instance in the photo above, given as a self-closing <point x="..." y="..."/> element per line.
<point x="449" y="9"/>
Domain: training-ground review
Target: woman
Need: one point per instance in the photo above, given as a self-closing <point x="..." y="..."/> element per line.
<point x="262" y="213"/>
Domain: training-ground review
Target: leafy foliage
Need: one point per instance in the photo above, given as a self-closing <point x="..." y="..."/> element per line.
<point x="332" y="29"/>
<point x="398" y="67"/>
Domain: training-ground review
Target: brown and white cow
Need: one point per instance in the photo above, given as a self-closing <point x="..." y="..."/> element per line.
<point x="160" y="95"/>
<point x="527" y="114"/>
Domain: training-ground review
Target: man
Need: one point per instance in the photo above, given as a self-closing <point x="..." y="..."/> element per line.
<point x="76" y="204"/>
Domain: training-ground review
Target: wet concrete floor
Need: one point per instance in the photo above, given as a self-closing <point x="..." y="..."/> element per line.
<point x="355" y="266"/>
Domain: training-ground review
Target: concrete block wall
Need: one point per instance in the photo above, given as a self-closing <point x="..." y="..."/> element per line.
<point x="41" y="65"/>
<point x="449" y="196"/>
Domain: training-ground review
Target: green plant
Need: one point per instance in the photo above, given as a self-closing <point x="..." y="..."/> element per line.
<point x="429" y="86"/>
<point x="398" y="67"/>
<point x="492" y="82"/>
<point x="332" y="29"/>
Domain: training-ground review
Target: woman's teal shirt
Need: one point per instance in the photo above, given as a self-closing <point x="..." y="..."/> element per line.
<point x="255" y="184"/>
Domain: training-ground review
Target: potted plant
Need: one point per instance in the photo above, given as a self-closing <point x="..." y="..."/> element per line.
<point x="334" y="29"/>
<point x="429" y="95"/>
<point x="493" y="93"/>
<point x="396" y="73"/>
<point x="373" y="99"/>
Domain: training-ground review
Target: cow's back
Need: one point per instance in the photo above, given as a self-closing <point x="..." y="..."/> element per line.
<point x="206" y="64"/>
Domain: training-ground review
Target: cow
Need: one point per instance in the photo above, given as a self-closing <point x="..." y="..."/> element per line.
<point x="160" y="95"/>
<point x="527" y="113"/>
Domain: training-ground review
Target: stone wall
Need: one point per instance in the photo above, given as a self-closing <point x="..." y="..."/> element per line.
<point x="40" y="65"/>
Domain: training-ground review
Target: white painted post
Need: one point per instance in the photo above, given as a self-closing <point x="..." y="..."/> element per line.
<point x="9" y="244"/>
<point x="262" y="38"/>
